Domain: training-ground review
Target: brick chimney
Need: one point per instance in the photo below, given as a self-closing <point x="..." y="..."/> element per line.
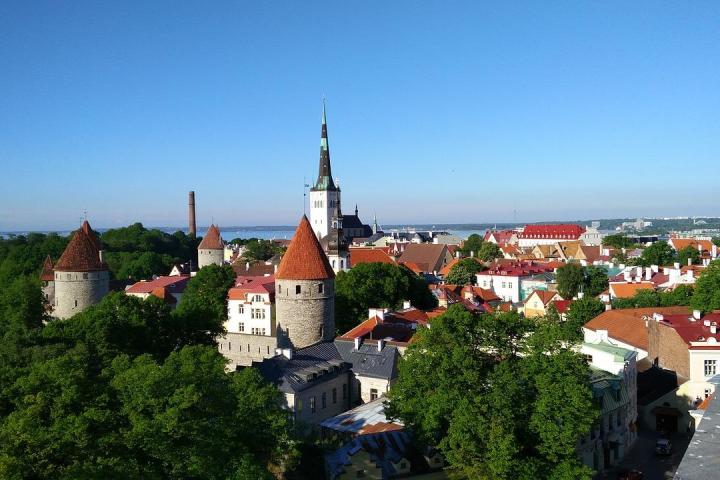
<point x="191" y="213"/>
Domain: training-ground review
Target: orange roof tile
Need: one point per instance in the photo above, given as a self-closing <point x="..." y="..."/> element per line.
<point x="628" y="290"/>
<point x="628" y="324"/>
<point x="47" y="270"/>
<point x="80" y="255"/>
<point x="212" y="239"/>
<point x="369" y="255"/>
<point x="680" y="243"/>
<point x="304" y="258"/>
<point x="91" y="235"/>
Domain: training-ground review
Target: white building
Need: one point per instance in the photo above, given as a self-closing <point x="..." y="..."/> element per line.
<point x="251" y="306"/>
<point x="504" y="279"/>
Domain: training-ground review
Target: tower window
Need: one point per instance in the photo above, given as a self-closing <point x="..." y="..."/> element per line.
<point x="85" y="276"/>
<point x="76" y="303"/>
<point x="297" y="289"/>
<point x="320" y="288"/>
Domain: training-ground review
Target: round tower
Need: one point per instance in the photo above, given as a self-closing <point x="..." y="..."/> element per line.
<point x="211" y="249"/>
<point x="304" y="292"/>
<point x="81" y="276"/>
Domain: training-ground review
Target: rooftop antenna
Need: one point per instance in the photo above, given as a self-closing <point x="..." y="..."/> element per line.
<point x="85" y="215"/>
<point x="305" y="187"/>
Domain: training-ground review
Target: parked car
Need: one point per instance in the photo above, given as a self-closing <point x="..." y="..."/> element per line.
<point x="630" y="475"/>
<point x="663" y="447"/>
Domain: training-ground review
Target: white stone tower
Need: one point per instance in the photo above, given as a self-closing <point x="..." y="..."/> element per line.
<point x="304" y="292"/>
<point x="324" y="195"/>
<point x="47" y="277"/>
<point x="81" y="275"/>
<point x="211" y="249"/>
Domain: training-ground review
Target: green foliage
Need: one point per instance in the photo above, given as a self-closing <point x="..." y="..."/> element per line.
<point x="617" y="241"/>
<point x="707" y="289"/>
<point x="689" y="256"/>
<point x="680" y="296"/>
<point x="489" y="252"/>
<point x="456" y="380"/>
<point x="579" y="313"/>
<point x="596" y="280"/>
<point x="376" y="285"/>
<point x="116" y="393"/>
<point x="463" y="272"/>
<point x="659" y="253"/>
<point x="570" y="279"/>
<point x="716" y="241"/>
<point x="258" y="249"/>
<point x="471" y="245"/>
<point x="203" y="307"/>
<point x="24" y="255"/>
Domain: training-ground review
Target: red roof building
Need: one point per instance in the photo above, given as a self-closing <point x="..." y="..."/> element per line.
<point x="304" y="258"/>
<point x="544" y="234"/>
<point x="47" y="274"/>
<point x="369" y="255"/>
<point x="174" y="284"/>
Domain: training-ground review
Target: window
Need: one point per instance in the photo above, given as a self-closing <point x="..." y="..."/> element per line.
<point x="279" y="288"/>
<point x="373" y="394"/>
<point x="257" y="298"/>
<point x="229" y="345"/>
<point x="344" y="391"/>
<point x="503" y="284"/>
<point x="320" y="288"/>
<point x="241" y="327"/>
<point x="334" y="395"/>
<point x="85" y="276"/>
<point x="312" y="404"/>
<point x="76" y="303"/>
<point x="324" y="400"/>
<point x="258" y="313"/>
<point x="710" y="367"/>
<point x="241" y="309"/>
<point x="297" y="289"/>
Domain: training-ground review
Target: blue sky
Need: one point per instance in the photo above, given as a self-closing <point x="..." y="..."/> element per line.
<point x="438" y="111"/>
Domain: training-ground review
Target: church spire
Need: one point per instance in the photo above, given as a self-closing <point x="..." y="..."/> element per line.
<point x="325" y="180"/>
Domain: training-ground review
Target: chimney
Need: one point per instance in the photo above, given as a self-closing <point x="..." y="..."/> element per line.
<point x="676" y="265"/>
<point x="713" y="329"/>
<point x="648" y="273"/>
<point x="626" y="276"/>
<point x="602" y="335"/>
<point x="714" y="251"/>
<point x="472" y="253"/>
<point x="285" y="352"/>
<point x="457" y="254"/>
<point x="380" y="344"/>
<point x="689" y="261"/>
<point x="101" y="254"/>
<point x="357" y="343"/>
<point x="697" y="314"/>
<point x="406" y="304"/>
<point x="191" y="213"/>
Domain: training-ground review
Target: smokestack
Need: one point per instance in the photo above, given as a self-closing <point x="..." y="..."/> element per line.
<point x="191" y="213"/>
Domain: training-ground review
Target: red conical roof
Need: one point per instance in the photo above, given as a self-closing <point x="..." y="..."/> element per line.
<point x="304" y="259"/>
<point x="47" y="273"/>
<point x="81" y="254"/>
<point x="91" y="235"/>
<point x="212" y="239"/>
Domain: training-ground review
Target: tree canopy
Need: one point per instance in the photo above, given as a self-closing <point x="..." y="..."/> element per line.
<point x="376" y="285"/>
<point x="707" y="289"/>
<point x="258" y="249"/>
<point x="455" y="382"/>
<point x="688" y="256"/>
<point x="659" y="253"/>
<point x="570" y="279"/>
<point x="617" y="240"/>
<point x="463" y="272"/>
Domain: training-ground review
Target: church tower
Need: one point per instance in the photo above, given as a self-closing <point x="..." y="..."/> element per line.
<point x="324" y="195"/>
<point x="304" y="292"/>
<point x="81" y="275"/>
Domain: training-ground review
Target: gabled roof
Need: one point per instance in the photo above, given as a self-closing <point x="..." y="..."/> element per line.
<point x="545" y="296"/>
<point x="47" y="270"/>
<point x="81" y="254"/>
<point x="369" y="255"/>
<point x="173" y="284"/>
<point x="428" y="256"/>
<point x="212" y="240"/>
<point x="304" y="258"/>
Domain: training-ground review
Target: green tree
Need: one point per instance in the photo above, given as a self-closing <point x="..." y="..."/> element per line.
<point x="579" y="313"/>
<point x="570" y="279"/>
<point x="688" y="256"/>
<point x="706" y="296"/>
<point x="471" y="245"/>
<point x="488" y="252"/>
<point x="377" y="285"/>
<point x="596" y="280"/>
<point x="463" y="272"/>
<point x="454" y="384"/>
<point x="617" y="241"/>
<point x="257" y="249"/>
<point x="680" y="295"/>
<point x="659" y="253"/>
<point x="716" y="241"/>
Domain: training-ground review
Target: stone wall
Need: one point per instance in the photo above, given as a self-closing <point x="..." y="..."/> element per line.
<point x="671" y="351"/>
<point x="207" y="256"/>
<point x="301" y="401"/>
<point x="307" y="317"/>
<point x="48" y="290"/>
<point x="75" y="291"/>
<point x="242" y="349"/>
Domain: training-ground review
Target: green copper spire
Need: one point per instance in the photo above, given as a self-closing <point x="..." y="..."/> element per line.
<point x="324" y="180"/>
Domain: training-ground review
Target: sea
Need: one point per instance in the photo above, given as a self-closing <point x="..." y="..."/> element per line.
<point x="286" y="232"/>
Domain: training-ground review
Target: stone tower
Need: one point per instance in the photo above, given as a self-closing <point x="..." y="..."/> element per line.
<point x="324" y="195"/>
<point x="47" y="277"/>
<point x="210" y="250"/>
<point x="304" y="292"/>
<point x="81" y="275"/>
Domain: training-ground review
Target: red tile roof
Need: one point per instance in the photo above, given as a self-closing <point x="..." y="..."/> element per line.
<point x="369" y="255"/>
<point x="91" y="235"/>
<point x="691" y="330"/>
<point x="81" y="254"/>
<point x="572" y="232"/>
<point x="628" y="324"/>
<point x="628" y="290"/>
<point x="680" y="243"/>
<point x="304" y="258"/>
<point x="500" y="236"/>
<point x="245" y="285"/>
<point x="163" y="293"/>
<point x="517" y="268"/>
<point x="212" y="239"/>
<point x="562" y="305"/>
<point x="174" y="284"/>
<point x="545" y="296"/>
<point x="47" y="270"/>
